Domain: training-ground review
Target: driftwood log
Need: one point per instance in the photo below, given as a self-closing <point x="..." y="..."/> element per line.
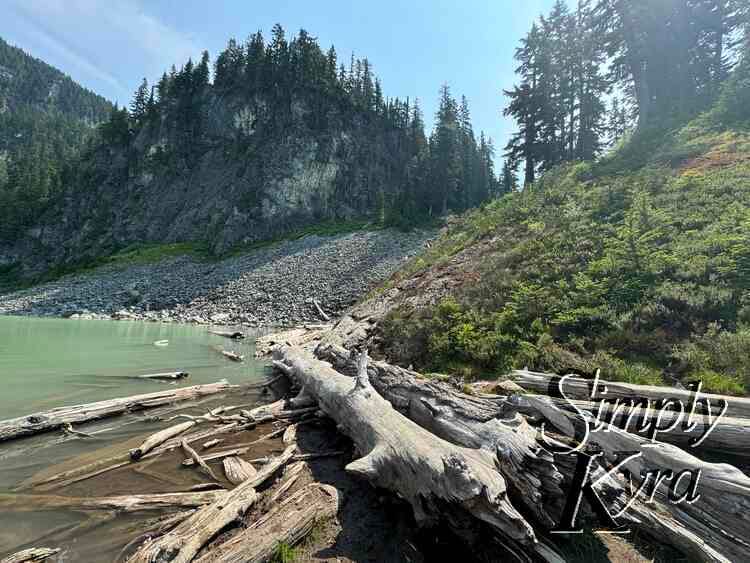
<point x="182" y="544"/>
<point x="580" y="388"/>
<point x="289" y="523"/>
<point x="31" y="555"/>
<point x="399" y="455"/>
<point x="57" y="418"/>
<point x="727" y="436"/>
<point x="237" y="470"/>
<point x="234" y="335"/>
<point x="459" y="418"/>
<point x="716" y="508"/>
<point x="123" y="503"/>
<point x="470" y="422"/>
<point x="168" y="376"/>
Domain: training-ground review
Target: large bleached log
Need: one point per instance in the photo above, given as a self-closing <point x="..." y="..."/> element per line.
<point x="471" y="422"/>
<point x="182" y="544"/>
<point x="57" y="418"/>
<point x="433" y="475"/>
<point x="123" y="503"/>
<point x="32" y="555"/>
<point x="289" y="523"/>
<point x="459" y="419"/>
<point x="580" y="388"/>
<point x="727" y="436"/>
<point x="716" y="509"/>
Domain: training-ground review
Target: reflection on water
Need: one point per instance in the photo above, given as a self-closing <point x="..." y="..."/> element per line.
<point x="46" y="363"/>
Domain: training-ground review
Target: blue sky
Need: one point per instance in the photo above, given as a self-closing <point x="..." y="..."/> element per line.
<point x="414" y="45"/>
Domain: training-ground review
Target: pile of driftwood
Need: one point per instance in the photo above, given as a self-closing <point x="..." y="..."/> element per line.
<point x="197" y="515"/>
<point x="522" y="464"/>
<point x="519" y="467"/>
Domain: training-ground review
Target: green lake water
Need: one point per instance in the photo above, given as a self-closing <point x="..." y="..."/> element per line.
<point x="47" y="363"/>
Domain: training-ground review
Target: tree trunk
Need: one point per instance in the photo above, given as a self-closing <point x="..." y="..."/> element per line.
<point x="55" y="419"/>
<point x="434" y="476"/>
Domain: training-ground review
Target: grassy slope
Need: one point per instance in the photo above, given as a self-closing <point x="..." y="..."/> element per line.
<point x="638" y="264"/>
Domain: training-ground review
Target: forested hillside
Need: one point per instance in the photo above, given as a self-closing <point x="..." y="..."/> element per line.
<point x="45" y="119"/>
<point x="280" y="135"/>
<point x="636" y="263"/>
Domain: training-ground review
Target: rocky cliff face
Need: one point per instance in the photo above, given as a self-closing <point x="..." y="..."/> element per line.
<point x="257" y="169"/>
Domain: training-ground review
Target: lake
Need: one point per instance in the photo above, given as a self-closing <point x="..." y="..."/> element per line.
<point x="47" y="363"/>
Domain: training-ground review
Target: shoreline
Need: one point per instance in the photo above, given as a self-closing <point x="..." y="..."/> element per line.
<point x="274" y="286"/>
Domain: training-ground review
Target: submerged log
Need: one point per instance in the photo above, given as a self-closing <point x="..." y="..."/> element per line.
<point x="168" y="376"/>
<point x="399" y="455"/>
<point x="236" y="335"/>
<point x="471" y="422"/>
<point x="581" y="389"/>
<point x="182" y="544"/>
<point x="234" y="356"/>
<point x="31" y="555"/>
<point x="122" y="504"/>
<point x="288" y="523"/>
<point x="159" y="438"/>
<point x="56" y="418"/>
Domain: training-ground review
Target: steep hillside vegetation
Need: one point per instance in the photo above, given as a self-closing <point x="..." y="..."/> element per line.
<point x="638" y="264"/>
<point x="45" y="118"/>
<point x="280" y="137"/>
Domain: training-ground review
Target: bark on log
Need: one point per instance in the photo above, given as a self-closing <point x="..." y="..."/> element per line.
<point x="405" y="389"/>
<point x="181" y="544"/>
<point x="728" y="436"/>
<point x="288" y="523"/>
<point x="238" y="470"/>
<point x="470" y="422"/>
<point x="719" y="507"/>
<point x="123" y="504"/>
<point x="31" y="555"/>
<point x="580" y="388"/>
<point x="403" y="457"/>
<point x="56" y="418"/>
<point x="290" y="434"/>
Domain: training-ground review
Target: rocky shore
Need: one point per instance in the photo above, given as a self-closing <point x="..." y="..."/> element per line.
<point x="277" y="285"/>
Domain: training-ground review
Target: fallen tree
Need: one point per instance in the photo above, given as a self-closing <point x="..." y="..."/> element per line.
<point x="467" y="420"/>
<point x="581" y="389"/>
<point x="56" y="418"/>
<point x="430" y="473"/>
<point x="715" y="503"/>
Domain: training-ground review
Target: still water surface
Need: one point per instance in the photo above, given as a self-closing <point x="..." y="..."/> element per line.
<point x="47" y="363"/>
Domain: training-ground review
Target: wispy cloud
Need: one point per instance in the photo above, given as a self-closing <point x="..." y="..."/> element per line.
<point x="100" y="42"/>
